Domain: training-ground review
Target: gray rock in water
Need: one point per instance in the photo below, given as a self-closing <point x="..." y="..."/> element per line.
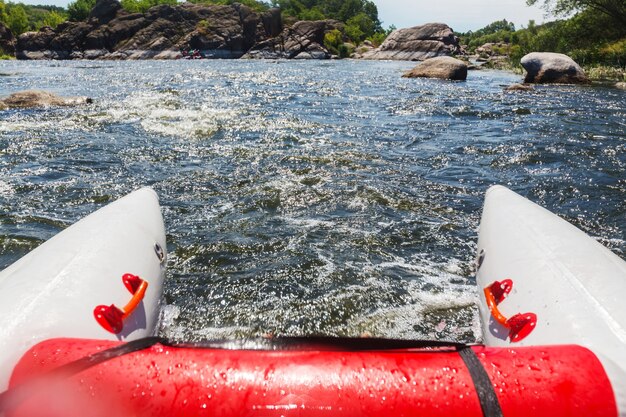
<point x="519" y="87"/>
<point x="621" y="85"/>
<point x="443" y="67"/>
<point x="36" y="98"/>
<point x="550" y="67"/>
<point x="417" y="43"/>
<point x="303" y="40"/>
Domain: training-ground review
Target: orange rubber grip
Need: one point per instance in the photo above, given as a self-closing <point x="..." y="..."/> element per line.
<point x="493" y="307"/>
<point x="137" y="297"/>
<point x="110" y="317"/>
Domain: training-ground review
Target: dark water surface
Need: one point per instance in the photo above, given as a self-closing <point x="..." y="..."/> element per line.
<point x="307" y="198"/>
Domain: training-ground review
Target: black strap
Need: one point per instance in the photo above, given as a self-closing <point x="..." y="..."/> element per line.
<point x="12" y="397"/>
<point x="324" y="343"/>
<point x="484" y="388"/>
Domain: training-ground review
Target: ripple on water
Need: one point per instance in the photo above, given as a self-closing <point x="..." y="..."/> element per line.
<point x="328" y="198"/>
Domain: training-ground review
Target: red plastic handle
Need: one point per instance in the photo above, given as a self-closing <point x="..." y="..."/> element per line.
<point x="519" y="325"/>
<point x="111" y="318"/>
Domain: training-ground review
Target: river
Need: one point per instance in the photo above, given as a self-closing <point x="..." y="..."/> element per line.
<point x="308" y="198"/>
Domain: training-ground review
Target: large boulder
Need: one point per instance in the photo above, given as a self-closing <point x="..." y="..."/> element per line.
<point x="219" y="31"/>
<point x="36" y="98"/>
<point x="7" y="40"/>
<point x="417" y="43"/>
<point x="550" y="67"/>
<point x="303" y="40"/>
<point x="105" y="10"/>
<point x="621" y="85"/>
<point x="443" y="67"/>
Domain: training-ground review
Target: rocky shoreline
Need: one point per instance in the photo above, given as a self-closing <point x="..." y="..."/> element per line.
<point x="161" y="33"/>
<point x="213" y="31"/>
<point x="237" y="31"/>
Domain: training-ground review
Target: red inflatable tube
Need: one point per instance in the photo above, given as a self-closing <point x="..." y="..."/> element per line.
<point x="173" y="381"/>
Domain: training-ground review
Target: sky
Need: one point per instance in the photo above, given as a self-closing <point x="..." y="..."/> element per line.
<point x="460" y="15"/>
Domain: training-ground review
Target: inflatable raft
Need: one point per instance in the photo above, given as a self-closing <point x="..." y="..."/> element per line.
<point x="76" y="334"/>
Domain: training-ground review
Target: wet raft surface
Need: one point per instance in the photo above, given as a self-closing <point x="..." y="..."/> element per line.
<point x="305" y="198"/>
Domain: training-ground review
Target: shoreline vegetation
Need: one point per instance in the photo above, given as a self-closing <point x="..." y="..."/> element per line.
<point x="593" y="34"/>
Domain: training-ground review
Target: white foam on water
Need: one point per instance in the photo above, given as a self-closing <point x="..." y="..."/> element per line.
<point x="443" y="301"/>
<point x="6" y="189"/>
<point x="170" y="329"/>
<point x="358" y="204"/>
<point x="310" y="223"/>
<point x="167" y="113"/>
<point x="57" y="120"/>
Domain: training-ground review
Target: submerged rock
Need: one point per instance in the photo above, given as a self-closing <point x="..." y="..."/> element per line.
<point x="519" y="87"/>
<point x="417" y="43"/>
<point x="303" y="40"/>
<point x="550" y="67"/>
<point x="37" y="98"/>
<point x="443" y="67"/>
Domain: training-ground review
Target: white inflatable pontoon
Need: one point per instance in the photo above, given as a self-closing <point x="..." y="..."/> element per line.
<point x="551" y="304"/>
<point x="53" y="291"/>
<point x="574" y="286"/>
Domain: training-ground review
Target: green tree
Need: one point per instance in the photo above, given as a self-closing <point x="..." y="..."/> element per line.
<point x="17" y="19"/>
<point x="616" y="9"/>
<point x="360" y="27"/>
<point x="79" y="9"/>
<point x="253" y="4"/>
<point x="342" y="10"/>
<point x="332" y="40"/>
<point x="3" y="13"/>
<point x="52" y="19"/>
<point x="314" y="13"/>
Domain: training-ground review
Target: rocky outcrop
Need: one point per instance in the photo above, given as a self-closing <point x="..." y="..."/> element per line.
<point x="36" y="98"/>
<point x="217" y="31"/>
<point x="417" y="43"/>
<point x="303" y="40"/>
<point x="443" y="67"/>
<point x="550" y="67"/>
<point x="363" y="49"/>
<point x="7" y="41"/>
<point x="491" y="49"/>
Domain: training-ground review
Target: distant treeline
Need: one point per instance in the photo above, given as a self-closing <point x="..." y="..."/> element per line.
<point x="22" y="18"/>
<point x="591" y="36"/>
